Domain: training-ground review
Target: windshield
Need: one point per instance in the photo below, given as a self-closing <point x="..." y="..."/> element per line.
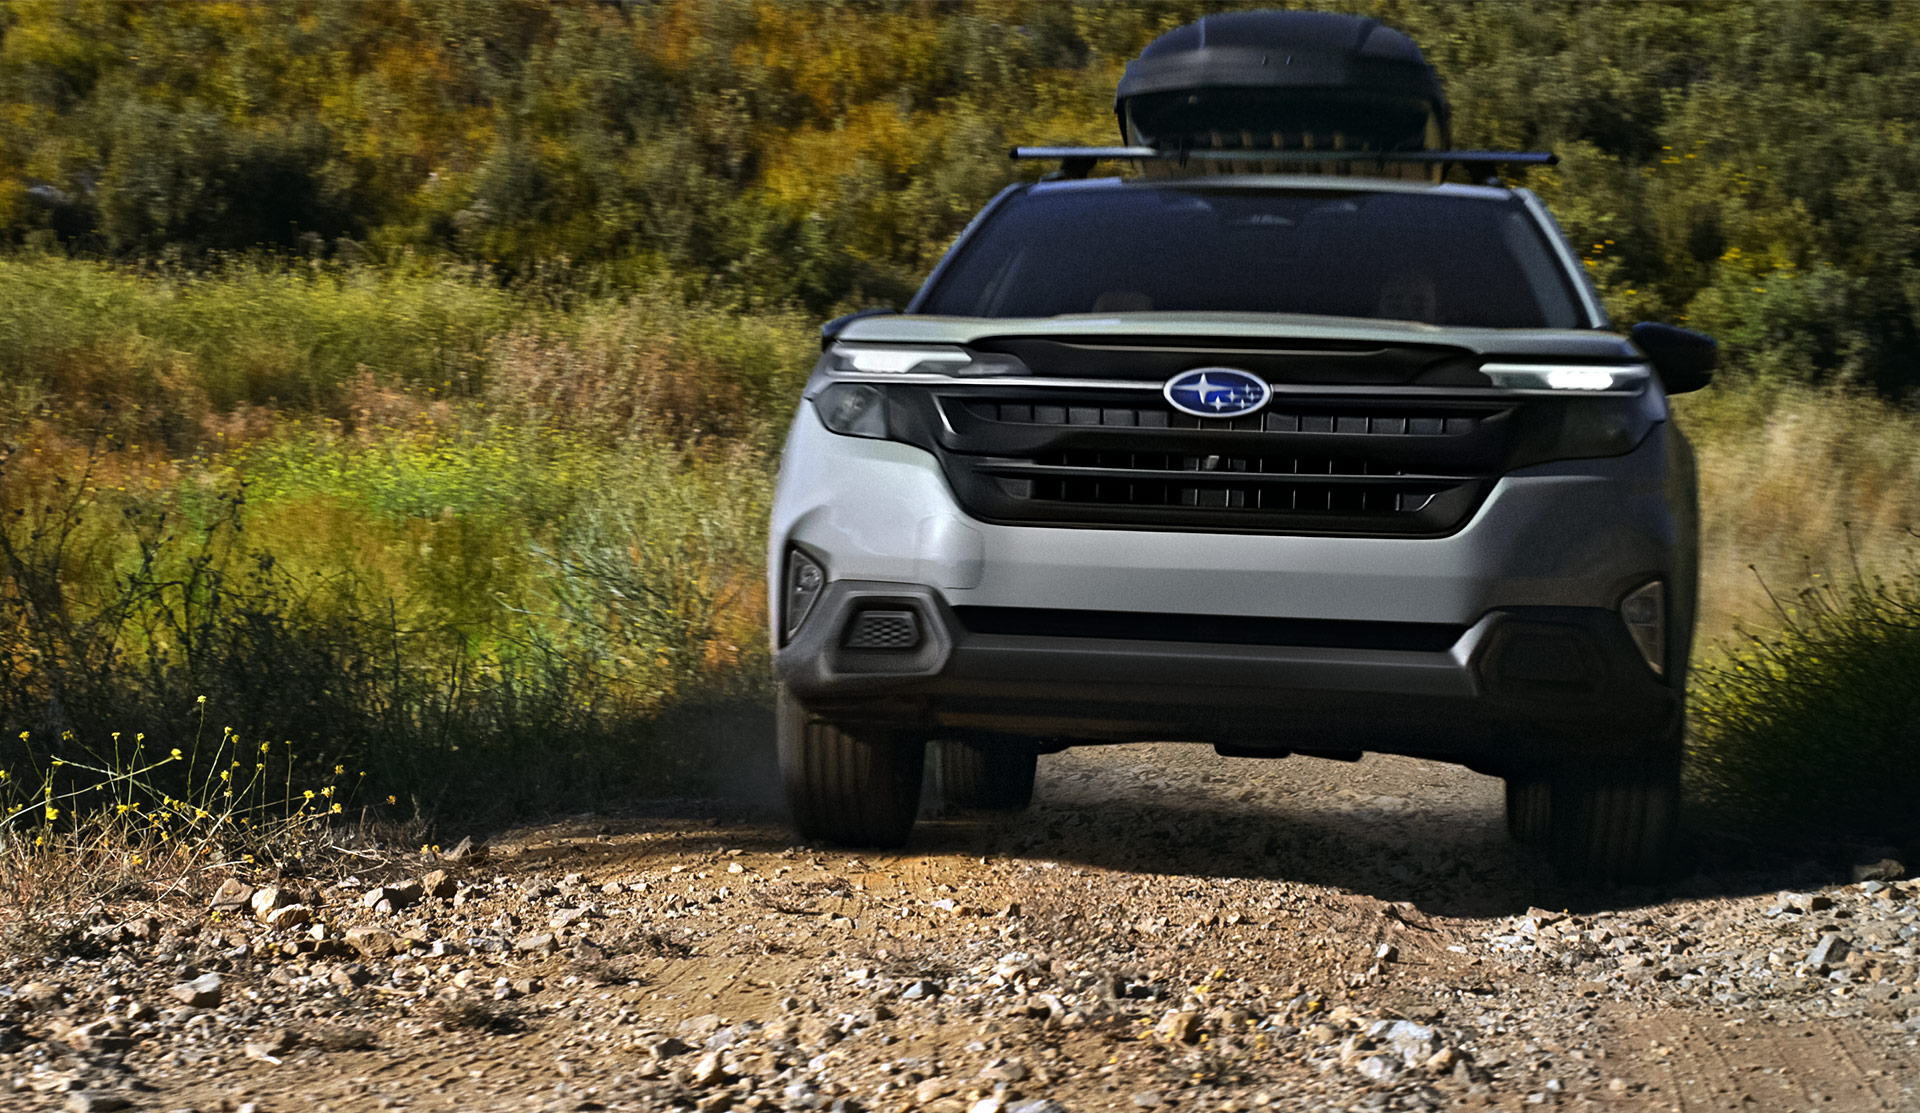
<point x="1399" y="256"/>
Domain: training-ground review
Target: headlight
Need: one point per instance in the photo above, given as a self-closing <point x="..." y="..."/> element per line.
<point x="851" y="359"/>
<point x="1568" y="377"/>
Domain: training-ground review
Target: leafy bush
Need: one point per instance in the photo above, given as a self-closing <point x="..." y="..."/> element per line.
<point x="1813" y="727"/>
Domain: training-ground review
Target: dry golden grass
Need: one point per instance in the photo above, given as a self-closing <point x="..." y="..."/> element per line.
<point x="1796" y="486"/>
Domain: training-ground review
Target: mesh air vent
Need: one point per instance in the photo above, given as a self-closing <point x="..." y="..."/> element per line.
<point x="883" y="630"/>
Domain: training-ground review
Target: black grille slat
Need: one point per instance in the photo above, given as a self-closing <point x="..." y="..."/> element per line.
<point x="1263" y="477"/>
<point x="1271" y="421"/>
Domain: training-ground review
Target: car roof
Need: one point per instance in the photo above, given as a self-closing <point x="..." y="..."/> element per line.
<point x="1281" y="183"/>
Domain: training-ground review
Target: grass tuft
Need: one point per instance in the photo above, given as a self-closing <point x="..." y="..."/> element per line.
<point x="1810" y="728"/>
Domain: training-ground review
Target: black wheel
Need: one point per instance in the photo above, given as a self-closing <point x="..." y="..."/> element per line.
<point x="1529" y="809"/>
<point x="854" y="786"/>
<point x="1616" y="822"/>
<point x="991" y="777"/>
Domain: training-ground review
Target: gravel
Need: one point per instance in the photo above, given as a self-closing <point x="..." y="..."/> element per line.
<point x="1094" y="954"/>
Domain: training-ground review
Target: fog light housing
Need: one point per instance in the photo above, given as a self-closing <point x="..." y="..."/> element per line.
<point x="1644" y="611"/>
<point x="805" y="581"/>
<point x="853" y="410"/>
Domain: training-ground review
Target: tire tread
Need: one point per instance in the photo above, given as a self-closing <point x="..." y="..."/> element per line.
<point x="1616" y="822"/>
<point x="1529" y="810"/>
<point x="852" y="787"/>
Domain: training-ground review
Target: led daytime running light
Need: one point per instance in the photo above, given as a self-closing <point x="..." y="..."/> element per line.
<point x="877" y="360"/>
<point x="1566" y="377"/>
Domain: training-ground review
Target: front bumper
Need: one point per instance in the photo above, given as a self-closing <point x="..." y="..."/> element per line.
<point x="1534" y="576"/>
<point x="1521" y="685"/>
<point x="1580" y="533"/>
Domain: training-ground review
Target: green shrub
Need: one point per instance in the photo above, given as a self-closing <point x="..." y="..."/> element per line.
<point x="485" y="622"/>
<point x="1813" y="727"/>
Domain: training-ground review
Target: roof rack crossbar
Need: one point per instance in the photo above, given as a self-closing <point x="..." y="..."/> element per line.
<point x="1077" y="162"/>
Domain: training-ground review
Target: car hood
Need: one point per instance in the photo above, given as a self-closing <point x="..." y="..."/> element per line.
<point x="1547" y="343"/>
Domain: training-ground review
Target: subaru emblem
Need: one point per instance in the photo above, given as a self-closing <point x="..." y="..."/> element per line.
<point x="1217" y="392"/>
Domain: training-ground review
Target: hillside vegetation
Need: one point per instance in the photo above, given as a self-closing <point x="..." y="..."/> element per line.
<point x="1748" y="168"/>
<point x="406" y="378"/>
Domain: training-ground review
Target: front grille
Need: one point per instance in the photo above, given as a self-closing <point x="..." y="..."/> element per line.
<point x="1346" y="465"/>
<point x="1297" y="484"/>
<point x="882" y="630"/>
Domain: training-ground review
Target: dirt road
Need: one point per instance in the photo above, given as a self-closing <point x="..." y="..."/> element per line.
<point x="1164" y="929"/>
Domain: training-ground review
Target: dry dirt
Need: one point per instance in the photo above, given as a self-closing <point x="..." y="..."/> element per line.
<point x="1163" y="929"/>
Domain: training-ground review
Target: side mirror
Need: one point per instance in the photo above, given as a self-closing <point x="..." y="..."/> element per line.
<point x="833" y="328"/>
<point x="1683" y="359"/>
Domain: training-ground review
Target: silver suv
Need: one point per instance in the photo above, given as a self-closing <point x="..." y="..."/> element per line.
<point x="1280" y="463"/>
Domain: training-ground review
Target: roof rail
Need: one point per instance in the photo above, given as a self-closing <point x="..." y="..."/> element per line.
<point x="1078" y="162"/>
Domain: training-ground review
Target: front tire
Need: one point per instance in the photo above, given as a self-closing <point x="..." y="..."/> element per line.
<point x="996" y="778"/>
<point x="855" y="786"/>
<point x="1529" y="810"/>
<point x="1616" y="822"/>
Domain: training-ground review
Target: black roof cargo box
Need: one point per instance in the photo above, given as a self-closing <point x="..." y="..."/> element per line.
<point x="1283" y="81"/>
